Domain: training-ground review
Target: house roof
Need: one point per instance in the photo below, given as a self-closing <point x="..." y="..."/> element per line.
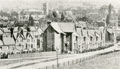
<point x="56" y="27"/>
<point x="6" y="30"/>
<point x="110" y="31"/>
<point x="62" y="27"/>
<point x="67" y="27"/>
<point x="8" y="41"/>
<point x="39" y="31"/>
<point x="1" y="31"/>
<point x="79" y="31"/>
<point x="81" y="24"/>
<point x="15" y="29"/>
<point x="101" y="23"/>
<point x="91" y="32"/>
<point x="118" y="37"/>
<point x="97" y="32"/>
<point x="32" y="28"/>
<point x="1" y="43"/>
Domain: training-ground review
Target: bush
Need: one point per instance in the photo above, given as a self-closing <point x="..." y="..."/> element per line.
<point x="4" y="56"/>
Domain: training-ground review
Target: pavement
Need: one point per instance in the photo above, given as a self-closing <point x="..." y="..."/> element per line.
<point x="43" y="63"/>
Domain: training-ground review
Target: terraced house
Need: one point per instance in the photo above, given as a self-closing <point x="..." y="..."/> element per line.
<point x="28" y="39"/>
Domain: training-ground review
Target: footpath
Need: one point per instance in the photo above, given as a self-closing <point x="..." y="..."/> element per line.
<point x="61" y="62"/>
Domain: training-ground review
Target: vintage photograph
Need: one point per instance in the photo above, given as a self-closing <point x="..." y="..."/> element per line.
<point x="59" y="34"/>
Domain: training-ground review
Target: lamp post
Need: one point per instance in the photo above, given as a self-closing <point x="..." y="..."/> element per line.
<point x="57" y="49"/>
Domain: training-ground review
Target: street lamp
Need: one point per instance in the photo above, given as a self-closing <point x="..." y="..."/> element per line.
<point x="57" y="50"/>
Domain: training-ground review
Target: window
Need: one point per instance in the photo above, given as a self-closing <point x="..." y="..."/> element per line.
<point x="0" y="48"/>
<point x="26" y="46"/>
<point x="31" y="45"/>
<point x="20" y="45"/>
<point x="91" y="38"/>
<point x="36" y="36"/>
<point x="21" y="40"/>
<point x="76" y="38"/>
<point x="96" y="38"/>
<point x="28" y="40"/>
<point x="38" y="42"/>
<point x="33" y="40"/>
<point x="84" y="38"/>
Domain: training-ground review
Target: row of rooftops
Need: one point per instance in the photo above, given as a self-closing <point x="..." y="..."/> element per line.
<point x="61" y="27"/>
<point x="86" y="33"/>
<point x="8" y="40"/>
<point x="17" y="29"/>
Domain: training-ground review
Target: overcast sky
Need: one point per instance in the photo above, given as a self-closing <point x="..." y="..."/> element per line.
<point x="37" y="3"/>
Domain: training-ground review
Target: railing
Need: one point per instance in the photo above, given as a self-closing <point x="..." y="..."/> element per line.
<point x="95" y="46"/>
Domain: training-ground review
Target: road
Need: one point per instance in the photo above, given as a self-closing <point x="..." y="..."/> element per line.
<point x="43" y="61"/>
<point x="17" y="63"/>
<point x="107" y="61"/>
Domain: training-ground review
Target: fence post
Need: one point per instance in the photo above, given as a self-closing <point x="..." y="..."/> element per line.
<point x="52" y="66"/>
<point x="68" y="62"/>
<point x="46" y="67"/>
<point x="64" y="63"/>
<point x="72" y="62"/>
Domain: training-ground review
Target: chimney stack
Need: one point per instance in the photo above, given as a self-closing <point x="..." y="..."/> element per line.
<point x="48" y="23"/>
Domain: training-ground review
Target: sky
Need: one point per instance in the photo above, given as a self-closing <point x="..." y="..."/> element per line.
<point x="38" y="3"/>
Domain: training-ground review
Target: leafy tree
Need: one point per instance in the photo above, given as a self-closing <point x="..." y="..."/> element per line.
<point x="103" y="9"/>
<point x="54" y="14"/>
<point x="62" y="16"/>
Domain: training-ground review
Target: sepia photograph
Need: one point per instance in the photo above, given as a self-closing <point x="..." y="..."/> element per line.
<point x="59" y="34"/>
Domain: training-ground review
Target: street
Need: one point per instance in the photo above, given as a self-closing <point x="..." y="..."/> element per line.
<point x="107" y="61"/>
<point x="99" y="62"/>
<point x="21" y="62"/>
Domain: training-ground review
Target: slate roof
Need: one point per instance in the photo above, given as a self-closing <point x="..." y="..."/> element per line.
<point x="79" y="31"/>
<point x="100" y="23"/>
<point x="91" y="33"/>
<point x="97" y="32"/>
<point x="1" y="31"/>
<point x="110" y="31"/>
<point x="67" y="27"/>
<point x="81" y="24"/>
<point x="1" y="43"/>
<point x="6" y="30"/>
<point x="62" y="27"/>
<point x="56" y="27"/>
<point x="8" y="41"/>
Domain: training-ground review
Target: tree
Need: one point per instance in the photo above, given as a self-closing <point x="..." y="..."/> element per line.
<point x="110" y="7"/>
<point x="54" y="14"/>
<point x="62" y="16"/>
<point x="103" y="9"/>
<point x="31" y="21"/>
